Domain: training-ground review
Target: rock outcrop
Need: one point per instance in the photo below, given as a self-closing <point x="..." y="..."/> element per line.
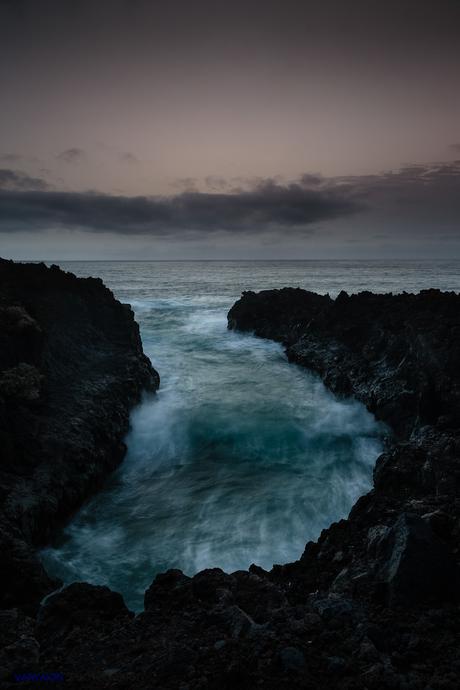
<point x="71" y="368"/>
<point x="373" y="604"/>
<point x="399" y="354"/>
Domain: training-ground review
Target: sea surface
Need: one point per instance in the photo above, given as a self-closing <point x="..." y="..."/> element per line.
<point x="240" y="457"/>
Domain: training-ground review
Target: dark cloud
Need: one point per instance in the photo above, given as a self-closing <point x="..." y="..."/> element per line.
<point x="185" y="184"/>
<point x="14" y="180"/>
<point x="235" y="185"/>
<point x="416" y="184"/>
<point x="216" y="183"/>
<point x="309" y="180"/>
<point x="411" y="200"/>
<point x="414" y="198"/>
<point x="267" y="207"/>
<point x="72" y="155"/>
<point x="455" y="147"/>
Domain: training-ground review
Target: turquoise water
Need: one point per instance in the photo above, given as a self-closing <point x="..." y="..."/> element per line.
<point x="240" y="457"/>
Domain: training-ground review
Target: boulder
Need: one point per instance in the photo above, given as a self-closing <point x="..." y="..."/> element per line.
<point x="414" y="567"/>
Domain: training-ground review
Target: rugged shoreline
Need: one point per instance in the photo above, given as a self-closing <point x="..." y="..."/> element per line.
<point x="71" y="368"/>
<point x="400" y="355"/>
<point x="373" y="604"/>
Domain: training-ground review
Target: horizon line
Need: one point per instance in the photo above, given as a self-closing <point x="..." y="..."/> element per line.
<point x="220" y="260"/>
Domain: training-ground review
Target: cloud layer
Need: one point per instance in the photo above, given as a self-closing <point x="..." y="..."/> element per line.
<point x="72" y="155"/>
<point x="414" y="198"/>
<point x="267" y="206"/>
<point x="20" y="181"/>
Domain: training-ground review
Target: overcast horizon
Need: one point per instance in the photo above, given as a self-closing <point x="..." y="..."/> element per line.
<point x="242" y="130"/>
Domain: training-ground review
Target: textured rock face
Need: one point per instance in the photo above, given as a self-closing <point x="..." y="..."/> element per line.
<point x="71" y="367"/>
<point x="416" y="566"/>
<point x="399" y="354"/>
<point x="277" y="314"/>
<point x="372" y="605"/>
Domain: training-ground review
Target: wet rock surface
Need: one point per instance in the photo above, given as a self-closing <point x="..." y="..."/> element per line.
<point x="373" y="604"/>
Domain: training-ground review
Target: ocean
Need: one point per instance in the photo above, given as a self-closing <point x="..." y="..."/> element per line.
<point x="240" y="457"/>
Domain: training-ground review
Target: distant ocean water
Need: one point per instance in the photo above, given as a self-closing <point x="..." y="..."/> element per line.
<point x="240" y="457"/>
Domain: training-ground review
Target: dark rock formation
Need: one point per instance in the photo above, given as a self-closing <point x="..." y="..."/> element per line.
<point x="71" y="367"/>
<point x="399" y="354"/>
<point x="414" y="566"/>
<point x="281" y="315"/>
<point x="372" y="605"/>
<point x="398" y="553"/>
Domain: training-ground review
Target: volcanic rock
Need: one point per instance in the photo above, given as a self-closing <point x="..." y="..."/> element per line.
<point x="373" y="604"/>
<point x="71" y="368"/>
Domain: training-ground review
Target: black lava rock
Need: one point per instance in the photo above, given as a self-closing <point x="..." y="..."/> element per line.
<point x="414" y="567"/>
<point x="71" y="368"/>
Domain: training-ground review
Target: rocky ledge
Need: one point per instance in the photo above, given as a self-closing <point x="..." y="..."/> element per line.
<point x="372" y="605"/>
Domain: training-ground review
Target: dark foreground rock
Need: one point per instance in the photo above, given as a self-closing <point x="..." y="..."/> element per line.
<point x="372" y="605"/>
<point x="71" y="367"/>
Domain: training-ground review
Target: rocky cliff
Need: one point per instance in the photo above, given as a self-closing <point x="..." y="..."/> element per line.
<point x="71" y="368"/>
<point x="372" y="605"/>
<point x="400" y="355"/>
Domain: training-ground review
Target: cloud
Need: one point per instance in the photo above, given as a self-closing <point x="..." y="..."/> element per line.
<point x="413" y="200"/>
<point x="72" y="155"/>
<point x="429" y="187"/>
<point x="455" y="147"/>
<point x="127" y="157"/>
<point x="11" y="157"/>
<point x="186" y="184"/>
<point x="267" y="207"/>
<point x="14" y="158"/>
<point x="216" y="183"/>
<point x="311" y="180"/>
<point x="14" y="180"/>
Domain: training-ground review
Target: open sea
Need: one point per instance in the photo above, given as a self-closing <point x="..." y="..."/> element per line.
<point x="240" y="457"/>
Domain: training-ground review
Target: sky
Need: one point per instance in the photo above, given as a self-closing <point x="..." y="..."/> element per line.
<point x="229" y="129"/>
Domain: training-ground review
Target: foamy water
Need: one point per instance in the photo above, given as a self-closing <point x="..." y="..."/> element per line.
<point x="240" y="457"/>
